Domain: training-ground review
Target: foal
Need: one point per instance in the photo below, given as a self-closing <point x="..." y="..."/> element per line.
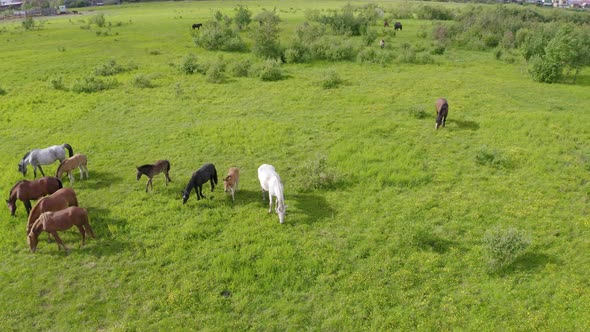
<point x="271" y="181"/>
<point x="77" y="160"/>
<point x="57" y="201"/>
<point x="442" y="110"/>
<point x="152" y="170"/>
<point x="52" y="222"/>
<point x="230" y="183"/>
<point x="206" y="173"/>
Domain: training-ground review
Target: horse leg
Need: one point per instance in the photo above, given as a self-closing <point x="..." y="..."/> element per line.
<point x="71" y="177"/>
<point x="270" y="199"/>
<point x="27" y="206"/>
<point x="168" y="179"/>
<point x="41" y="169"/>
<point x="83" y="233"/>
<point x="59" y="242"/>
<point x="81" y="172"/>
<point x="148" y="184"/>
<point x="232" y="194"/>
<point x="89" y="230"/>
<point x="212" y="185"/>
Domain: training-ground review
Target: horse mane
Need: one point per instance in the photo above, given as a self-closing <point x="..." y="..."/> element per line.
<point x="11" y="189"/>
<point x="39" y="220"/>
<point x="27" y="154"/>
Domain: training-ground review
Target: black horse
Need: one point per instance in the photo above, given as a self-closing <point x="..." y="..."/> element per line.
<point x="197" y="26"/>
<point x="206" y="173"/>
<point x="397" y="26"/>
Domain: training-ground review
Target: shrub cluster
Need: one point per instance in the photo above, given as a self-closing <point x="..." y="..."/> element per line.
<point x="142" y="81"/>
<point x="314" y="175"/>
<point x="112" y="67"/>
<point x="268" y="70"/>
<point x="330" y="80"/>
<point x="91" y="84"/>
<point x="504" y="246"/>
<point x="215" y="35"/>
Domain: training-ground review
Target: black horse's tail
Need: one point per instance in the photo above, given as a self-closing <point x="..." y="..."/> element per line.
<point x="215" y="175"/>
<point x="69" y="147"/>
<point x="59" y="184"/>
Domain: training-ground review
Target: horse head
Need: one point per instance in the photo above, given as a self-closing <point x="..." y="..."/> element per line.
<point x="281" y="211"/>
<point x="226" y="183"/>
<point x="11" y="206"/>
<point x="139" y="173"/>
<point x="185" y="196"/>
<point x="32" y="240"/>
<point x="22" y="167"/>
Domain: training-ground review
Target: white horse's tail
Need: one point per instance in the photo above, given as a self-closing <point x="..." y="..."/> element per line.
<point x="69" y="148"/>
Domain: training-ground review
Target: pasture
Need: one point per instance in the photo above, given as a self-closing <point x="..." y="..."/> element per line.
<point x="394" y="239"/>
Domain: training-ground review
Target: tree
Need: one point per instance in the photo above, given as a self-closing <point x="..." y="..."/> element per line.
<point x="266" y="35"/>
<point x="243" y="17"/>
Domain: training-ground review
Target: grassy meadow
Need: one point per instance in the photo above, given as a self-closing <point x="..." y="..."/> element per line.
<point x="395" y="241"/>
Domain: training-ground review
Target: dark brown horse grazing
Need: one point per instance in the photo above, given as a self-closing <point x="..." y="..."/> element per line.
<point x="52" y="222"/>
<point x="152" y="170"/>
<point x="28" y="190"/>
<point x="442" y="110"/>
<point x="397" y="25"/>
<point x="57" y="201"/>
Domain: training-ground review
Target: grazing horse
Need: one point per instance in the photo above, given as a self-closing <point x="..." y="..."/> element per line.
<point x="57" y="201"/>
<point x="47" y="156"/>
<point x="230" y="183"/>
<point x="28" y="190"/>
<point x="271" y="181"/>
<point x="385" y="24"/>
<point x="382" y="43"/>
<point x="78" y="160"/>
<point x="442" y="110"/>
<point x="51" y="222"/>
<point x="397" y="26"/>
<point x="152" y="170"/>
<point x="197" y="26"/>
<point x="206" y="173"/>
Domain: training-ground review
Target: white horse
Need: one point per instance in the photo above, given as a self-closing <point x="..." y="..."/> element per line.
<point x="47" y="156"/>
<point x="271" y="181"/>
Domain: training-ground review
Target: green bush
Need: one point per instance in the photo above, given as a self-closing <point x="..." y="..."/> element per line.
<point x="216" y="72"/>
<point x="492" y="158"/>
<point x="97" y="19"/>
<point x="110" y="68"/>
<point x="240" y="68"/>
<point x="330" y="80"/>
<point x="266" y="35"/>
<point x="28" y="23"/>
<point x="438" y="49"/>
<point x="189" y="64"/>
<point x="374" y="55"/>
<point x="243" y="17"/>
<point x="142" y="81"/>
<point x="504" y="246"/>
<point x="314" y="175"/>
<point x="57" y="83"/>
<point x="269" y="70"/>
<point x="419" y="112"/>
<point x="2" y="91"/>
<point x="217" y="36"/>
<point x="91" y="84"/>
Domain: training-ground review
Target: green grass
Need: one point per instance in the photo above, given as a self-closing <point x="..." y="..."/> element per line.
<point x="396" y="243"/>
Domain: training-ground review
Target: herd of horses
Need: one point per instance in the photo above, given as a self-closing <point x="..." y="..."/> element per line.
<point x="57" y="207"/>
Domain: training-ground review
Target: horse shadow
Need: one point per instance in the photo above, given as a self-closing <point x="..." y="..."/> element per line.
<point x="464" y="125"/>
<point x="109" y="231"/>
<point x="309" y="208"/>
<point x="96" y="180"/>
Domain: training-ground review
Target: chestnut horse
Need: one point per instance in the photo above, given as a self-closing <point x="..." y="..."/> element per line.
<point x="230" y="182"/>
<point x="78" y="160"/>
<point x="152" y="170"/>
<point x="52" y="222"/>
<point x="28" y="190"/>
<point x="442" y="110"/>
<point x="57" y="201"/>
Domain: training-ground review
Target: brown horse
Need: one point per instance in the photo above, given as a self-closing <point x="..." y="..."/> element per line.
<point x="28" y="190"/>
<point x="78" y="160"/>
<point x="52" y="222"/>
<point x="152" y="170"/>
<point x="230" y="182"/>
<point x="57" y="201"/>
<point x="442" y="110"/>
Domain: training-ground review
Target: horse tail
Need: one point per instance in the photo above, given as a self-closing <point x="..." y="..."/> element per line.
<point x="167" y="166"/>
<point x="59" y="184"/>
<point x="69" y="147"/>
<point x="215" y="175"/>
